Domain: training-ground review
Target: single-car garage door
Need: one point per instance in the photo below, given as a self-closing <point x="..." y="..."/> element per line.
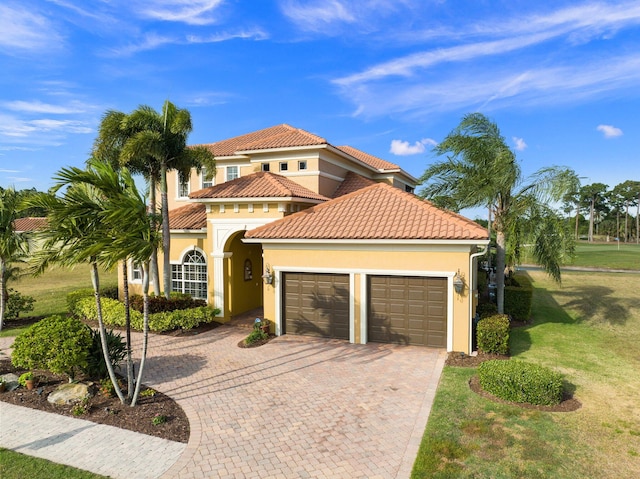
<point x="316" y="304"/>
<point x="407" y="310"/>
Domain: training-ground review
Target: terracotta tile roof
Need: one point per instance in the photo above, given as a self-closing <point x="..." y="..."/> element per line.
<point x="189" y="217"/>
<point x="280" y="136"/>
<point x="352" y="182"/>
<point x="374" y="161"/>
<point x="258" y="185"/>
<point x="379" y="211"/>
<point x="29" y="224"/>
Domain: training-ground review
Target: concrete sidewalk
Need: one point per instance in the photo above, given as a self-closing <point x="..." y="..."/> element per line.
<point x="106" y="450"/>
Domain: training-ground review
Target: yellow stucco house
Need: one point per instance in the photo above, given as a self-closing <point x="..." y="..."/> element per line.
<point x="329" y="240"/>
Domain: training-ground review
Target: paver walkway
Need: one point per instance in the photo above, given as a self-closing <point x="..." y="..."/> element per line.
<point x="297" y="407"/>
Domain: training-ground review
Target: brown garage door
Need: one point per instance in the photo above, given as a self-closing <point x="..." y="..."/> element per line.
<point x="408" y="310"/>
<point x="316" y="304"/>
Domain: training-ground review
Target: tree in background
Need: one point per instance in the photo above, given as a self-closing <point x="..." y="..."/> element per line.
<point x="627" y="193"/>
<point x="593" y="195"/>
<point x="481" y="170"/>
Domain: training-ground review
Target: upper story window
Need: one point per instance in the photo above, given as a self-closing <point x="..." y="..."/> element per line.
<point x="302" y="165"/>
<point x="232" y="172"/>
<point x="183" y="186"/>
<point x="206" y="183"/>
<point x="284" y="166"/>
<point x="265" y="167"/>
<point x="408" y="189"/>
<point x="136" y="272"/>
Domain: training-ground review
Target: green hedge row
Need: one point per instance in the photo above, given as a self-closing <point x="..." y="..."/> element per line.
<point x="74" y="296"/>
<point x="113" y="315"/>
<point x="160" y="304"/>
<point x="518" y="299"/>
<point x="521" y="382"/>
<point x="493" y="334"/>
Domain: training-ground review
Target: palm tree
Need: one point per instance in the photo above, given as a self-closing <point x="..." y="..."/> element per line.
<point x="481" y="170"/>
<point x="14" y="246"/>
<point x="159" y="141"/>
<point x="594" y="196"/>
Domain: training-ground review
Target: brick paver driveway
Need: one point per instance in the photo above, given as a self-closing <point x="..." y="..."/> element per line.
<point x="296" y="407"/>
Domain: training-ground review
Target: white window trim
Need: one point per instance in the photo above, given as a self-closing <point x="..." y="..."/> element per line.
<point x="130" y="273"/>
<point x="178" y="196"/>
<point x="202" y="180"/>
<point x="226" y="172"/>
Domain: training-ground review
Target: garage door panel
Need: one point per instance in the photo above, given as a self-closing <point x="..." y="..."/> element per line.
<point x="316" y="304"/>
<point x="407" y="310"/>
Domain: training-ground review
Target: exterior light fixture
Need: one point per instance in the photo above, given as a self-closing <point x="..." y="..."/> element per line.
<point x="458" y="283"/>
<point x="267" y="277"/>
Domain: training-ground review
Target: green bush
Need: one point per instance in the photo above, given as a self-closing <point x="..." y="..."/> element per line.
<point x="493" y="334"/>
<point x="58" y="344"/>
<point x="17" y="303"/>
<point x="74" y="296"/>
<point x="521" y="382"/>
<point x="96" y="364"/>
<point x="485" y="310"/>
<point x="255" y="336"/>
<point x="160" y="304"/>
<point x="518" y="298"/>
<point x="113" y="315"/>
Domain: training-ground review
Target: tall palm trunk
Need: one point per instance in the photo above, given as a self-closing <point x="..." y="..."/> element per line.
<point x="155" y="272"/>
<point x="626" y="221"/>
<point x="166" y="242"/>
<point x="127" y="320"/>
<point x="591" y="214"/>
<point x="145" y="329"/>
<point x="103" y="335"/>
<point x="500" y="265"/>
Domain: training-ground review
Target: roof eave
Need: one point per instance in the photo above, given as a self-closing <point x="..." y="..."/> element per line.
<point x="461" y="242"/>
<point x="281" y="148"/>
<point x="258" y="199"/>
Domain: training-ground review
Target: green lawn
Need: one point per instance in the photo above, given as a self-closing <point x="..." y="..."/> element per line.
<point x="588" y="329"/>
<point x="51" y="288"/>
<point x="19" y="466"/>
<point x="607" y="255"/>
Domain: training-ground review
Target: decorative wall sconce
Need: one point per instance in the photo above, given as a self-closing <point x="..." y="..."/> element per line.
<point x="267" y="276"/>
<point x="458" y="283"/>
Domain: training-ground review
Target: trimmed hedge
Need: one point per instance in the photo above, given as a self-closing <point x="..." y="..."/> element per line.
<point x="160" y="304"/>
<point x="493" y="334"/>
<point x="484" y="310"/>
<point x="521" y="382"/>
<point x="58" y="344"/>
<point x="518" y="298"/>
<point x="74" y="296"/>
<point x="113" y="315"/>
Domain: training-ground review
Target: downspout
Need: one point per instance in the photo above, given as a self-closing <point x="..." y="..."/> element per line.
<point x="471" y="272"/>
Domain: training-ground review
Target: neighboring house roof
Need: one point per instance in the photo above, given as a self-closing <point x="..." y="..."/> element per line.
<point x="263" y="184"/>
<point x="376" y="212"/>
<point x="352" y="182"/>
<point x="189" y="217"/>
<point x="374" y="161"/>
<point x="286" y="136"/>
<point x="29" y="224"/>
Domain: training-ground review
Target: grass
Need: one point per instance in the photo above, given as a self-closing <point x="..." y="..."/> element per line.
<point x="50" y="290"/>
<point x="607" y="255"/>
<point x="18" y="466"/>
<point x="588" y="329"/>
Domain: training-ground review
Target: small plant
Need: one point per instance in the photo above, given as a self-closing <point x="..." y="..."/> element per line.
<point x="17" y="303"/>
<point x="81" y="408"/>
<point x="148" y="393"/>
<point x="22" y="380"/>
<point x="106" y="388"/>
<point x="96" y="365"/>
<point x="493" y="334"/>
<point x="255" y="336"/>
<point x="158" y="419"/>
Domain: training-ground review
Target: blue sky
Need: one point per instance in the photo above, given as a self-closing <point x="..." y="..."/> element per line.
<point x="392" y="78"/>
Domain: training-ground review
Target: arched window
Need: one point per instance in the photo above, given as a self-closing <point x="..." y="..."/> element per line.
<point x="191" y="276"/>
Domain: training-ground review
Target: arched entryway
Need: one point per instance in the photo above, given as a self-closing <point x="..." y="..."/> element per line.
<point x="243" y="289"/>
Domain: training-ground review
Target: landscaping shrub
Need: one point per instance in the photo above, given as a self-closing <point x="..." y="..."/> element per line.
<point x="485" y="310"/>
<point x="493" y="334"/>
<point x="518" y="297"/>
<point x="160" y="304"/>
<point x="521" y="382"/>
<point x="17" y="303"/>
<point x="74" y="296"/>
<point x="113" y="315"/>
<point x="96" y="365"/>
<point x="255" y="336"/>
<point x="57" y="344"/>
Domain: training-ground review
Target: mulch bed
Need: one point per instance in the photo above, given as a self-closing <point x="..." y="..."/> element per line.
<point x="568" y="404"/>
<point x="103" y="409"/>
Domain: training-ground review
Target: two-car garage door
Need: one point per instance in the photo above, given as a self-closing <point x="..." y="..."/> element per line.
<point x="400" y="309"/>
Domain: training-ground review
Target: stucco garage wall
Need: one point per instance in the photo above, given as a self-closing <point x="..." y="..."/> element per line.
<point x="360" y="260"/>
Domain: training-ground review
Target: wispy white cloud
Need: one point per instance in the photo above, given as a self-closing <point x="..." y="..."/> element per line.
<point x="253" y="34"/>
<point x="191" y="12"/>
<point x="37" y="106"/>
<point x="519" y="143"/>
<point x="22" y="30"/>
<point x="2" y="170"/>
<point x="404" y="148"/>
<point x="609" y="131"/>
<point x="316" y="15"/>
<point x="37" y="131"/>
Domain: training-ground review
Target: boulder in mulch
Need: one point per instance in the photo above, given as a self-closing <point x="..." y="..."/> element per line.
<point x="69" y="394"/>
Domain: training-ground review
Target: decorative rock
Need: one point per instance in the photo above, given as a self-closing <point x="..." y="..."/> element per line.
<point x="11" y="381"/>
<point x="69" y="394"/>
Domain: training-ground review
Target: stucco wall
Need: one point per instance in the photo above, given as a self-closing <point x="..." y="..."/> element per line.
<point x="360" y="261"/>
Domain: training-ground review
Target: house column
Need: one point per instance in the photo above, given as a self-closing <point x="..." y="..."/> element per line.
<point x="218" y="280"/>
